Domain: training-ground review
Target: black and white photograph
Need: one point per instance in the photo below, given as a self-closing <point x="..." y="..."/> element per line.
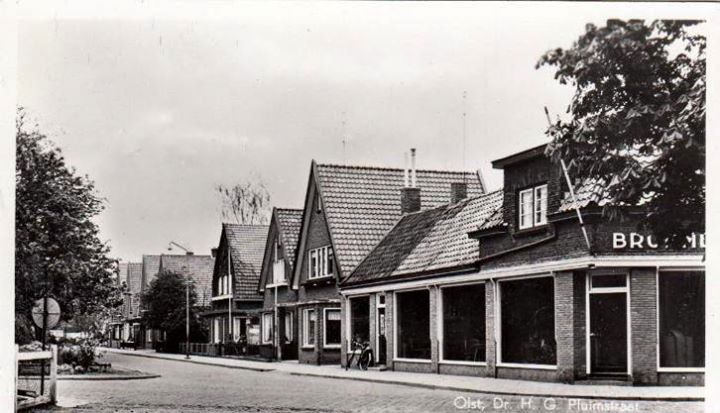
<point x="357" y="206"/>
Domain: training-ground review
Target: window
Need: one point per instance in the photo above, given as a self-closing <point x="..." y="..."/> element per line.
<point x="321" y="262"/>
<point x="332" y="327"/>
<point x="533" y="207"/>
<point x="682" y="318"/>
<point x="463" y="317"/>
<point x="413" y="325"/>
<point x="267" y="328"/>
<point x="359" y="319"/>
<point x="309" y="328"/>
<point x="237" y="328"/>
<point x="527" y="309"/>
<point x="288" y="327"/>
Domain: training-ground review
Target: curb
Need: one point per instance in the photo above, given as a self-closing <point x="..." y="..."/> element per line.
<point x="203" y="363"/>
<point x="109" y="377"/>
<point x="441" y="387"/>
<point x="506" y="393"/>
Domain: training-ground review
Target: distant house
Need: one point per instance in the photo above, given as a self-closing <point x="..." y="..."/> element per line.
<point x="235" y="299"/>
<point x="278" y="327"/>
<point x="127" y="324"/>
<point x="199" y="268"/>
<point x="348" y="210"/>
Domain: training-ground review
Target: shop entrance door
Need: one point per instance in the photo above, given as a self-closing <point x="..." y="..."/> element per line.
<point x="608" y="327"/>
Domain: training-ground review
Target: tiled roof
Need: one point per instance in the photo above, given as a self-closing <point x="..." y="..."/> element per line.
<point x="122" y="273"/>
<point x="135" y="273"/>
<point x="431" y="240"/>
<point x="247" y="246"/>
<point x="151" y="266"/>
<point x="363" y="203"/>
<point x="290" y="221"/>
<point x="591" y="191"/>
<point x="198" y="267"/>
<point x="587" y="193"/>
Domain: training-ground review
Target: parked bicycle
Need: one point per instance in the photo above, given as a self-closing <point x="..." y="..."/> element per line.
<point x="361" y="353"/>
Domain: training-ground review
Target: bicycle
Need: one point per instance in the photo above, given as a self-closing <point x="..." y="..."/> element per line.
<point x="364" y="357"/>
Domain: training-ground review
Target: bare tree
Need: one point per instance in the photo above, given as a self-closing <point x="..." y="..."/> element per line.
<point x="247" y="202"/>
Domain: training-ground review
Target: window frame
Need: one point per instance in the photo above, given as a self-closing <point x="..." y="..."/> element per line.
<point x="321" y="259"/>
<point x="265" y="328"/>
<point x="395" y="326"/>
<point x="657" y="321"/>
<point x="306" y="323"/>
<point x="326" y="310"/>
<point x="441" y="325"/>
<point x="533" y="204"/>
<point x="498" y="323"/>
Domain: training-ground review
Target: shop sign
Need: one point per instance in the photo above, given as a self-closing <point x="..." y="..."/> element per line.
<point x="634" y="240"/>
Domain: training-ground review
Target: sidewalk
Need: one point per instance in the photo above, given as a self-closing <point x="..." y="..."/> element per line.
<point x="442" y="381"/>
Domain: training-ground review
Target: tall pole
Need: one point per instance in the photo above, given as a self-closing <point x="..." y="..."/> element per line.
<point x="44" y="331"/>
<point x="187" y="318"/>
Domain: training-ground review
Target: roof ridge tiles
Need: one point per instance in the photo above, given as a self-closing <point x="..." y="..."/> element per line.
<point x="387" y="168"/>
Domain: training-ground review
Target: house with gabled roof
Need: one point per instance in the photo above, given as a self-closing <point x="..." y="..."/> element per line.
<point x="235" y="301"/>
<point x="198" y="268"/>
<point x="278" y="322"/>
<point x="553" y="289"/>
<point x="348" y="210"/>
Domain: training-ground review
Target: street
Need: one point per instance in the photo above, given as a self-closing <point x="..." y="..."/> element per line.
<point x="191" y="387"/>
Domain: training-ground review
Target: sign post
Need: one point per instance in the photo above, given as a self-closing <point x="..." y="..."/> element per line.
<point x="45" y="314"/>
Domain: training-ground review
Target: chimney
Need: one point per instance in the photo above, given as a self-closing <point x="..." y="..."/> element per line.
<point x="410" y="194"/>
<point x="409" y="200"/>
<point x="413" y="172"/>
<point x="458" y="192"/>
<point x="213" y="252"/>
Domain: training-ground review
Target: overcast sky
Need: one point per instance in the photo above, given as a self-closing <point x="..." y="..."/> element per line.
<point x="159" y="111"/>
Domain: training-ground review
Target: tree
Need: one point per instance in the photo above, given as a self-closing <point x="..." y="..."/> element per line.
<point x="57" y="249"/>
<point x="165" y="302"/>
<point x="245" y="203"/>
<point x="638" y="119"/>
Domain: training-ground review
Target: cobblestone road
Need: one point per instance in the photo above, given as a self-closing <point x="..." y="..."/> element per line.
<point x="197" y="388"/>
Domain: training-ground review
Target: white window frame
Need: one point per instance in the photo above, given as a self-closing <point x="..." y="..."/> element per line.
<point x="325" y="313"/>
<point x="498" y="321"/>
<point x="289" y="315"/>
<point x="305" y="325"/>
<point x="266" y="328"/>
<point x="395" y="326"/>
<point x="657" y="306"/>
<point x="322" y="257"/>
<point x="441" y="325"/>
<point x="537" y="204"/>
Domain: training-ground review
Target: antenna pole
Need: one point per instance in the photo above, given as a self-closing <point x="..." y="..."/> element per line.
<point x="572" y="192"/>
<point x="464" y="133"/>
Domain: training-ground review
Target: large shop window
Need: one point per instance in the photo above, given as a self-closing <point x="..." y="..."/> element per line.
<point x="528" y="321"/>
<point x="413" y="324"/>
<point x="463" y="316"/>
<point x="309" y="328"/>
<point x="267" y="328"/>
<point x="360" y="319"/>
<point x="332" y="327"/>
<point x="682" y="318"/>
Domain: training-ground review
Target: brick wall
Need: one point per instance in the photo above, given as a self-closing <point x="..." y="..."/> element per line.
<point x="565" y="332"/>
<point x="643" y="322"/>
<point x="390" y="328"/>
<point x="579" y="321"/>
<point x="490" y="339"/>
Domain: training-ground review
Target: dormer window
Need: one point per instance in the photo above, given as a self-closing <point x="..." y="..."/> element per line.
<point x="532" y="207"/>
<point x="320" y="262"/>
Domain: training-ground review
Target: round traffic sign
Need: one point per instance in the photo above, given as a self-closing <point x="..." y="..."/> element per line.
<point x="53" y="312"/>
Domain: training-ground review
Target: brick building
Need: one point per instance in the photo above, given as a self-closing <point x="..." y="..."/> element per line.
<point x="532" y="299"/>
<point x="278" y="326"/>
<point x="348" y="210"/>
<point x="236" y="302"/>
